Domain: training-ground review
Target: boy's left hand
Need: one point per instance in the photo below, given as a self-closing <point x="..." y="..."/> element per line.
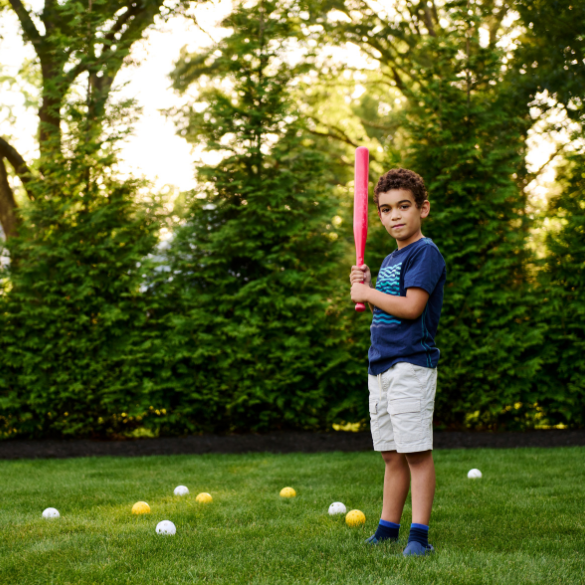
<point x="360" y="292"/>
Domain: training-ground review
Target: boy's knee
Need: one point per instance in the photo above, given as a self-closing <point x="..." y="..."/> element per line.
<point x="393" y="458"/>
<point x="420" y="458"/>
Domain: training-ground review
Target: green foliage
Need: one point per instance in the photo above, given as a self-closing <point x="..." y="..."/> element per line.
<point x="563" y="300"/>
<point x="254" y="271"/>
<point x="461" y="123"/>
<point x="72" y="314"/>
<point x="72" y="317"/>
<point x="467" y="134"/>
<point x="552" y="51"/>
<point x="241" y="320"/>
<point x="73" y="40"/>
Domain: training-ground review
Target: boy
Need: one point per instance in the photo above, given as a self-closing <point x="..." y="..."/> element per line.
<point x="402" y="376"/>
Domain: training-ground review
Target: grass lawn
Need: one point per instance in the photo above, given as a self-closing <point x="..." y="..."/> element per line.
<point x="524" y="522"/>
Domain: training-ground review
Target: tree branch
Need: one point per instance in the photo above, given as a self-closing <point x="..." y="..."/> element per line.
<point x="9" y="218"/>
<point x="392" y="56"/>
<point x="335" y="129"/>
<point x="28" y="26"/>
<point x="531" y="176"/>
<point x="342" y="137"/>
<point x="413" y="17"/>
<point x="122" y="20"/>
<point x="143" y="17"/>
<point x="429" y="21"/>
<point x="496" y="22"/>
<point x="74" y="72"/>
<point x="50" y="17"/>
<point x="18" y="164"/>
<point x="137" y="18"/>
<point x="365" y="122"/>
<point x="435" y="13"/>
<point x="398" y="80"/>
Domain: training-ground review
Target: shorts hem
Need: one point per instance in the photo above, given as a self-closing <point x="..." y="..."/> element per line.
<point x="385" y="446"/>
<point x="418" y="448"/>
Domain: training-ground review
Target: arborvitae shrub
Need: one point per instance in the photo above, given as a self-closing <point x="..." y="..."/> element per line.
<point x="253" y="273"/>
<point x="72" y="314"/>
<point x="562" y="301"/>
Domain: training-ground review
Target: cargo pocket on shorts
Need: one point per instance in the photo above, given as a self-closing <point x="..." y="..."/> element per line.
<point x="405" y="414"/>
<point x="374" y="427"/>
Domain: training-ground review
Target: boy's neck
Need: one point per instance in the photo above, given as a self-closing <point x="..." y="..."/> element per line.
<point x="414" y="238"/>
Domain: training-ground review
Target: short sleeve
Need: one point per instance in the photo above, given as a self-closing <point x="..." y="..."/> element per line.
<point x="425" y="269"/>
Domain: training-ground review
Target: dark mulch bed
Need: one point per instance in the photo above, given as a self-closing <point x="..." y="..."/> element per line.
<point x="282" y="442"/>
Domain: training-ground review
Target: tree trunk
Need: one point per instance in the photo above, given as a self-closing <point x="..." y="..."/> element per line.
<point x="50" y="110"/>
<point x="9" y="218"/>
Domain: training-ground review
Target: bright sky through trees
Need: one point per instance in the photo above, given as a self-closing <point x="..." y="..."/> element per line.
<point x="147" y="81"/>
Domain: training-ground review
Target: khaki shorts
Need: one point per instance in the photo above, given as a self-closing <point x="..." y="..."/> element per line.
<point x="402" y="401"/>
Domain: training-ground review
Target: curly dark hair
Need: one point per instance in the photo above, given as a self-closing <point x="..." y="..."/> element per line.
<point x="402" y="179"/>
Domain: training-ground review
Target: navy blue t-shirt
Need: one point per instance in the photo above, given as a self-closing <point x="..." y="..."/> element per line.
<point x="394" y="340"/>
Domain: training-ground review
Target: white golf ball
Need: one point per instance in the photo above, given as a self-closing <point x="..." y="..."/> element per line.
<point x="166" y="527"/>
<point x="181" y="490"/>
<point x="474" y="474"/>
<point x="337" y="508"/>
<point x="51" y="513"/>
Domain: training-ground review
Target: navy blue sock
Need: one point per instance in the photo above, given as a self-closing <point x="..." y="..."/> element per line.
<point x="419" y="533"/>
<point x="387" y="530"/>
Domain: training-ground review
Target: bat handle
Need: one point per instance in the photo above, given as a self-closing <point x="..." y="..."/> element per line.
<point x="360" y="307"/>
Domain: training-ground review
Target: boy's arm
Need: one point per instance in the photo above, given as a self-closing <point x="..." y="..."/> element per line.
<point x="409" y="307"/>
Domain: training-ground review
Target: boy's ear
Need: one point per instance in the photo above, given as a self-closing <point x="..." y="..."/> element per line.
<point x="425" y="209"/>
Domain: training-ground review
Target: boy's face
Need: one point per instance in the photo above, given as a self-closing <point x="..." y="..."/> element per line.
<point x="399" y="214"/>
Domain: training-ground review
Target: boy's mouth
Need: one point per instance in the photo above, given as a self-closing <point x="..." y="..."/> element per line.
<point x="398" y="226"/>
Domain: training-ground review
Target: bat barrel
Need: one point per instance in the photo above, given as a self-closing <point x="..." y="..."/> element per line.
<point x="362" y="163"/>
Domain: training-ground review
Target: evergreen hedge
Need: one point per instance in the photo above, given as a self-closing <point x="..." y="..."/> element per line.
<point x="73" y="319"/>
<point x="242" y="321"/>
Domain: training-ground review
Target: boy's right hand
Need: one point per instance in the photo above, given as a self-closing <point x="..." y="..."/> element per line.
<point x="360" y="274"/>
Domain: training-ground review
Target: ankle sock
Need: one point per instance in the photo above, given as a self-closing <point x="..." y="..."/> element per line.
<point x="387" y="530"/>
<point x="419" y="533"/>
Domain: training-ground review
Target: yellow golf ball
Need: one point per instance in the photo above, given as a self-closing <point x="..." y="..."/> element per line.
<point x="204" y="498"/>
<point x="140" y="508"/>
<point x="355" y="518"/>
<point x="287" y="492"/>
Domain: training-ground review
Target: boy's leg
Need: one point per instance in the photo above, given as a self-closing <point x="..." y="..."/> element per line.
<point x="422" y="472"/>
<point x="396" y="484"/>
<point x="397" y="474"/>
<point x="411" y="405"/>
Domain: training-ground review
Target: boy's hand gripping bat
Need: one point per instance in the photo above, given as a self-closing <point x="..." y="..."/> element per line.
<point x="360" y="208"/>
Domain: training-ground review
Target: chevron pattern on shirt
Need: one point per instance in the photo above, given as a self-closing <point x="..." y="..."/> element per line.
<point x="389" y="283"/>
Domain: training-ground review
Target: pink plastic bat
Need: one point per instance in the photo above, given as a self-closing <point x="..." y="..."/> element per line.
<point x="360" y="208"/>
